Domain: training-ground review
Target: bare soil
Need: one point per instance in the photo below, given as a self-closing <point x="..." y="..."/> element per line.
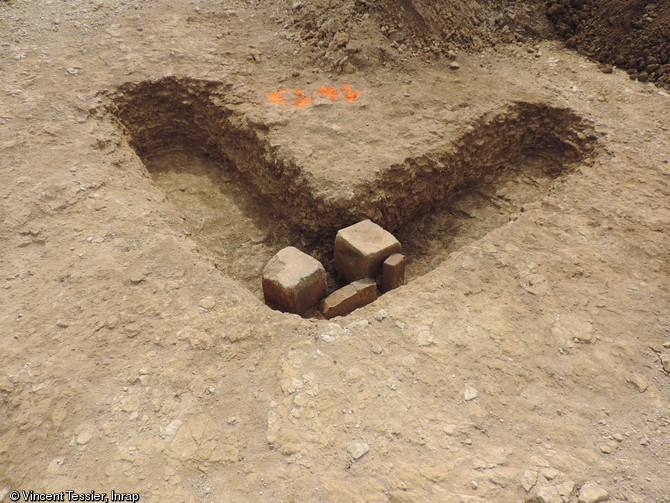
<point x="156" y="154"/>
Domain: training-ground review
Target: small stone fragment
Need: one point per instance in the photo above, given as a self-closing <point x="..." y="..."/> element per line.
<point x="137" y="277"/>
<point x="111" y="322"/>
<point x="396" y="36"/>
<point x="132" y="330"/>
<point x="548" y="494"/>
<point x="293" y="281"/>
<point x="348" y="68"/>
<point x="528" y="480"/>
<point x="469" y="393"/>
<point x="332" y="332"/>
<point x="273" y="427"/>
<point x="357" y="325"/>
<point x="549" y="473"/>
<point x="381" y="315"/>
<point x="358" y="449"/>
<point x="361" y="248"/>
<point x="638" y="381"/>
<point x="171" y="428"/>
<point x="341" y="39"/>
<point x="665" y="361"/>
<point x="605" y="449"/>
<point x="424" y="337"/>
<point x="539" y="461"/>
<point x="393" y="272"/>
<point x="207" y="303"/>
<point x="84" y="437"/>
<point x="454" y="66"/>
<point x="618" y="437"/>
<point x="592" y="493"/>
<point x="449" y="429"/>
<point x="565" y="489"/>
<point x="55" y="465"/>
<point x="197" y="339"/>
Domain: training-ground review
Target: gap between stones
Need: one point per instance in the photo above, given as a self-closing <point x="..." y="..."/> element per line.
<point x="244" y="203"/>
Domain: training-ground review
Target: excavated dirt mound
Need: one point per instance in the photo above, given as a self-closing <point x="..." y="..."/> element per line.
<point x="361" y="34"/>
<point x="631" y="34"/>
<point x="355" y="35"/>
<point x="472" y="25"/>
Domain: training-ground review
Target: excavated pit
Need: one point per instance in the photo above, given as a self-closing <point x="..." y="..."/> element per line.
<point x="243" y="201"/>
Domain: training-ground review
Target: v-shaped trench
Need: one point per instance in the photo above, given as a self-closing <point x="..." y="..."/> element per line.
<point x="243" y="204"/>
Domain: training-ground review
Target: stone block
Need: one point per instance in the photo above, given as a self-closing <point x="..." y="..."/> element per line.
<point x="393" y="272"/>
<point x="293" y="281"/>
<point x="361" y="248"/>
<point x="366" y="289"/>
<point x="350" y="297"/>
<point x="340" y="302"/>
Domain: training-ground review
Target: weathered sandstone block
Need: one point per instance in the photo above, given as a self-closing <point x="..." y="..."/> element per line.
<point x="361" y="248"/>
<point x="350" y="297"/>
<point x="393" y="272"/>
<point x="293" y="281"/>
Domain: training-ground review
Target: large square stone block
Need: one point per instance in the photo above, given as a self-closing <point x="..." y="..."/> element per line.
<point x="293" y="281"/>
<point x="361" y="248"/>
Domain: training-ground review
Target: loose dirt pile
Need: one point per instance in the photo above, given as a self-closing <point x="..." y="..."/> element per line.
<point x="357" y="34"/>
<point x="631" y="34"/>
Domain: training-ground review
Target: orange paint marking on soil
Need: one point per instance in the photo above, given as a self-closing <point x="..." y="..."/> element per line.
<point x="351" y="95"/>
<point x="276" y="97"/>
<point x="302" y="101"/>
<point x="331" y="92"/>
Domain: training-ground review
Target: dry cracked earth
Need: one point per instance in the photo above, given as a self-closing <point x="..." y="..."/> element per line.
<point x="155" y="155"/>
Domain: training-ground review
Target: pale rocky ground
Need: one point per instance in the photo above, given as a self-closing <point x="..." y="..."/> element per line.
<point x="526" y="364"/>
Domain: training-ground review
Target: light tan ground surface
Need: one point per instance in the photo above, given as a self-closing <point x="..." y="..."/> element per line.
<point x="522" y="360"/>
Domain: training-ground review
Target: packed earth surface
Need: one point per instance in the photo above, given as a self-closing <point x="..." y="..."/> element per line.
<point x="156" y="155"/>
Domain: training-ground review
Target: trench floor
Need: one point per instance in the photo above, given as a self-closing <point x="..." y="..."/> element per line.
<point x="238" y="229"/>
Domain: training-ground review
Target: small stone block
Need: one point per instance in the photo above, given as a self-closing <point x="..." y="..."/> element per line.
<point x="361" y="248"/>
<point x="366" y="289"/>
<point x="340" y="302"/>
<point x="393" y="272"/>
<point x="293" y="281"/>
<point x="350" y="297"/>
